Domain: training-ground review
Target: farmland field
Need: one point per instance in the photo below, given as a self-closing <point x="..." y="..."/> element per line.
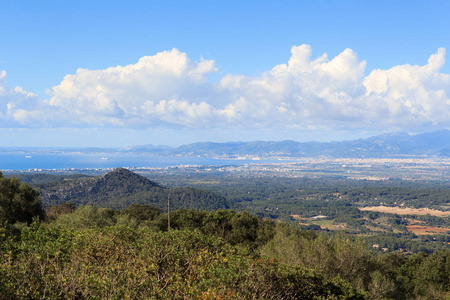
<point x="423" y="230"/>
<point x="407" y="211"/>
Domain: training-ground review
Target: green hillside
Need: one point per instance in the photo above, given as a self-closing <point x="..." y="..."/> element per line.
<point x="121" y="188"/>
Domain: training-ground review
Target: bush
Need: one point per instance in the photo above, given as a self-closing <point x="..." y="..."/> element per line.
<point x="120" y="263"/>
<point x="19" y="202"/>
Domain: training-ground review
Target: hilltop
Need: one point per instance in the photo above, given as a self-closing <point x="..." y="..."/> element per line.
<point x="121" y="187"/>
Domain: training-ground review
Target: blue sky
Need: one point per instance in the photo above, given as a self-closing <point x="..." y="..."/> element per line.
<point x="119" y="73"/>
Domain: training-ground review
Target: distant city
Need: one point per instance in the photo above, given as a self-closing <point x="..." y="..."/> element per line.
<point x="396" y="156"/>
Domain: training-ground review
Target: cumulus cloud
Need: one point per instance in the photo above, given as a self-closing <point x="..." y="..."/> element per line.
<point x="170" y="89"/>
<point x="17" y="106"/>
<point x="412" y="94"/>
<point x="156" y="88"/>
<point x="301" y="91"/>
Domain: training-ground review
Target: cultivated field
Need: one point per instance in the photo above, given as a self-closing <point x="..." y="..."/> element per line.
<point x="407" y="211"/>
<point x="423" y="230"/>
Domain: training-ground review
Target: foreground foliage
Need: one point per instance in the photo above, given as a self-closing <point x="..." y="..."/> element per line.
<point x="123" y="263"/>
<point x="99" y="253"/>
<point x="382" y="276"/>
<point x="19" y="202"/>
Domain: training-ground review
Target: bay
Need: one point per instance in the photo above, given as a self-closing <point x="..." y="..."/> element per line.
<point x="62" y="161"/>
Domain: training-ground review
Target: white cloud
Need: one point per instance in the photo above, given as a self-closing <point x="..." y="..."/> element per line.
<point x="302" y="91"/>
<point x="17" y="106"/>
<point x="170" y="89"/>
<point x="412" y="94"/>
<point x="123" y="95"/>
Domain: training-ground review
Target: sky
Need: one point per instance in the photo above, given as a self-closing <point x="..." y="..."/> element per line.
<point x="122" y="73"/>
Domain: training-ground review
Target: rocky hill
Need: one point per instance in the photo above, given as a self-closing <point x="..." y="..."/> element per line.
<point x="121" y="187"/>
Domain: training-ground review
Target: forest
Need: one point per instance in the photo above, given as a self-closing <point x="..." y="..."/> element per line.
<point x="298" y="201"/>
<point x="69" y="251"/>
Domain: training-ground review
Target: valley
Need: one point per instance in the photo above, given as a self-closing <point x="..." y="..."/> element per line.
<point x="229" y="233"/>
<point x="380" y="211"/>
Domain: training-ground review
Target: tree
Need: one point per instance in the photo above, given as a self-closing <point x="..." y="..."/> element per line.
<point x="432" y="278"/>
<point x="19" y="202"/>
<point x="142" y="212"/>
<point x="245" y="228"/>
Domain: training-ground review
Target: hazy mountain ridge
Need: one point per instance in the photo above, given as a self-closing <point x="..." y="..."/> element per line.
<point x="432" y="144"/>
<point x="435" y="143"/>
<point x="121" y="187"/>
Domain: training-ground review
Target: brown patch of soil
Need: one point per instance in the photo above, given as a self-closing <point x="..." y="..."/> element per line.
<point x="423" y="230"/>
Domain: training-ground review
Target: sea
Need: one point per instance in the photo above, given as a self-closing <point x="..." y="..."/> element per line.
<point x="70" y="161"/>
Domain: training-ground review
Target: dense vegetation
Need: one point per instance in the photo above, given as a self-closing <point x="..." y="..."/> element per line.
<point x="299" y="200"/>
<point x="122" y="263"/>
<point x="89" y="252"/>
<point x="92" y="252"/>
<point x="19" y="202"/>
<point x="293" y="200"/>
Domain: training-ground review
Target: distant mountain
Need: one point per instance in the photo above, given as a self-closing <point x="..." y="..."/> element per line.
<point x="120" y="188"/>
<point x="386" y="145"/>
<point x="431" y="144"/>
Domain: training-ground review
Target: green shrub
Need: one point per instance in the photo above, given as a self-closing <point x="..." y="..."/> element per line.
<point x="124" y="263"/>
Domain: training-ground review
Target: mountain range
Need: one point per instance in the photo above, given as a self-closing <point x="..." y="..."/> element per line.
<point x="433" y="144"/>
<point x="386" y="145"/>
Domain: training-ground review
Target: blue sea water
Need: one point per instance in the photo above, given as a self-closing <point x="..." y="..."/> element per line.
<point x="60" y="161"/>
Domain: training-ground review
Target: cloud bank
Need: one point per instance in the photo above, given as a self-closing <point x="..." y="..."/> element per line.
<point x="171" y="90"/>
